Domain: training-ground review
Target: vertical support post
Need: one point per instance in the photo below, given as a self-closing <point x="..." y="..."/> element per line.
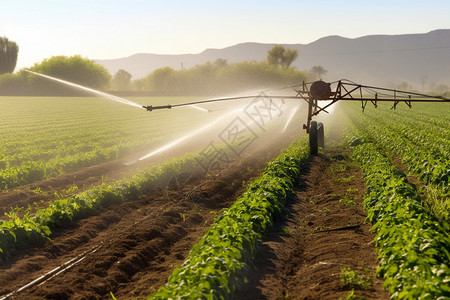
<point x="310" y="111"/>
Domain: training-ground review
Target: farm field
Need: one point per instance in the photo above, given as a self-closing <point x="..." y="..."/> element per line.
<point x="45" y="137"/>
<point x="81" y="142"/>
<point x="417" y="141"/>
<point x="132" y="247"/>
<point x="94" y="138"/>
<point x="196" y="201"/>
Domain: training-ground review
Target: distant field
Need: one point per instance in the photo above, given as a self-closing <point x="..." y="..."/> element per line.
<point x="43" y="137"/>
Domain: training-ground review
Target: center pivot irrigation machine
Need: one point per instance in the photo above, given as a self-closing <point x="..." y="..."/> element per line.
<point x="311" y="92"/>
<point x="330" y="93"/>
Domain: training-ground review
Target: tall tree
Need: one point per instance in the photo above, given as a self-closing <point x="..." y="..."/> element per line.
<point x="159" y="80"/>
<point x="404" y="86"/>
<point x="75" y="69"/>
<point x="220" y="63"/>
<point x="275" y="55"/>
<point x="279" y="56"/>
<point x="8" y="55"/>
<point x="121" y="80"/>
<point x="289" y="56"/>
<point x="318" y="72"/>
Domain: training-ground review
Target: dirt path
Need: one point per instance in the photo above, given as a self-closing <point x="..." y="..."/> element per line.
<point x="324" y="233"/>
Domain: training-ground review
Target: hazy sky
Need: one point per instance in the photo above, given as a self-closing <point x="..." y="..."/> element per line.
<point x="100" y="29"/>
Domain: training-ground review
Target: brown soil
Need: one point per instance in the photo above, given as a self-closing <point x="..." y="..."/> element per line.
<point x="129" y="249"/>
<point x="304" y="256"/>
<point x="41" y="192"/>
<point x="132" y="248"/>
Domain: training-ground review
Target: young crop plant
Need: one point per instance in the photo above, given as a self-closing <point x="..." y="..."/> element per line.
<point x="20" y="232"/>
<point x="349" y="197"/>
<point x="417" y="141"/>
<point x="90" y="132"/>
<point x="413" y="245"/>
<point x="353" y="278"/>
<point x="218" y="263"/>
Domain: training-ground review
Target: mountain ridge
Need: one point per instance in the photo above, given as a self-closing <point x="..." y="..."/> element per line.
<point x="375" y="59"/>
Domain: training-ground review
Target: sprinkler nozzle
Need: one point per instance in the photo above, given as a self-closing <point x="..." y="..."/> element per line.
<point x="150" y="107"/>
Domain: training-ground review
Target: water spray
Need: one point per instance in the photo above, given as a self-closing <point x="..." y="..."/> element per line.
<point x="189" y="135"/>
<point x="292" y="114"/>
<point x="99" y="93"/>
<point x="311" y="92"/>
<point x="112" y="97"/>
<point x="200" y="108"/>
<point x="320" y="91"/>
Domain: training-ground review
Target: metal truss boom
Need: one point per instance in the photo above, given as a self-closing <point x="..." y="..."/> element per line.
<point x="341" y="90"/>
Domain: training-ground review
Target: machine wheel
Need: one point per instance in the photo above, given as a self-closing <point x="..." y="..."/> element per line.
<point x="320" y="135"/>
<point x="313" y="146"/>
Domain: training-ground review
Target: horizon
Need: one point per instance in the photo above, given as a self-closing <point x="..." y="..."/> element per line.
<point x="102" y="30"/>
<point x="268" y="43"/>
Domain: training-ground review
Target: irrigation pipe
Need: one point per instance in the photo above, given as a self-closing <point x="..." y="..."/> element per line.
<point x="56" y="271"/>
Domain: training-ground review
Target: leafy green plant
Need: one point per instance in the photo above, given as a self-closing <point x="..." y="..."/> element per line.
<point x="413" y="245"/>
<point x="286" y="231"/>
<point x="218" y="263"/>
<point x="345" y="179"/>
<point x="39" y="191"/>
<point x="74" y="133"/>
<point x="351" y="296"/>
<point x="20" y="232"/>
<point x="349" y="199"/>
<point x="353" y="278"/>
<point x="416" y="140"/>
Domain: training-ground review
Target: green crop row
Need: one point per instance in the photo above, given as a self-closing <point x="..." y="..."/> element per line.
<point x="413" y="246"/>
<point x="420" y="146"/>
<point x="45" y="137"/>
<point x="19" y="232"/>
<point x="217" y="265"/>
<point x="423" y="152"/>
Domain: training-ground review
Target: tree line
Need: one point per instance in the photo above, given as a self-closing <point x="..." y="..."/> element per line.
<point x="75" y="69"/>
<point x="8" y="55"/>
<point x="211" y="78"/>
<point x="218" y="77"/>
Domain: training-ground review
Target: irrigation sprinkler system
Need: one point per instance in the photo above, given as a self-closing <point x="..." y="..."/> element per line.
<point x="331" y="92"/>
<point x="311" y="92"/>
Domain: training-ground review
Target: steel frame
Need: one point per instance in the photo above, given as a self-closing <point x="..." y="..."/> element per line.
<point x="344" y="91"/>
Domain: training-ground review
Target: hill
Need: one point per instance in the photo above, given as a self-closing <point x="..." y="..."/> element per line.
<point x="373" y="59"/>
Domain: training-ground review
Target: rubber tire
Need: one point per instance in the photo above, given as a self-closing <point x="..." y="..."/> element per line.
<point x="320" y="135"/>
<point x="313" y="147"/>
